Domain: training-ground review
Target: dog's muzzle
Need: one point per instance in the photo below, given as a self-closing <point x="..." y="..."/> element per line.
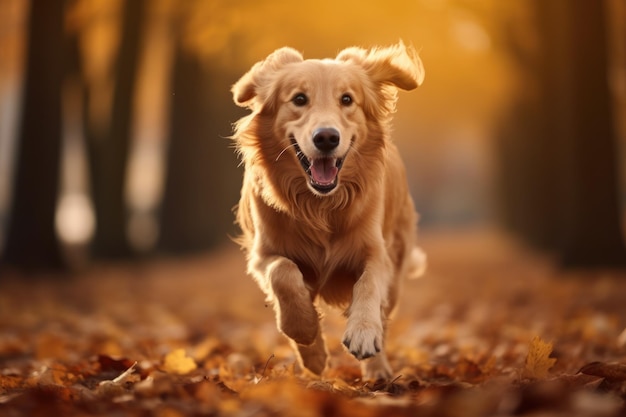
<point x="322" y="171"/>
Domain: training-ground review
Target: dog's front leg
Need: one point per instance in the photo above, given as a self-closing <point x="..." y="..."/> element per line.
<point x="283" y="282"/>
<point x="364" y="335"/>
<point x="296" y="315"/>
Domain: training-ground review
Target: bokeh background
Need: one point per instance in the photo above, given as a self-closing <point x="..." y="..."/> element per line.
<point x="115" y="117"/>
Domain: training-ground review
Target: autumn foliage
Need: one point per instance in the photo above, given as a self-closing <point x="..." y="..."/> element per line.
<point x="491" y="330"/>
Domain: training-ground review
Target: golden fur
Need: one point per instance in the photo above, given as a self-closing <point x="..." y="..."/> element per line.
<point x="342" y="233"/>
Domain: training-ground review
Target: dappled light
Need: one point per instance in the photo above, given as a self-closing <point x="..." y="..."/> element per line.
<point x="75" y="219"/>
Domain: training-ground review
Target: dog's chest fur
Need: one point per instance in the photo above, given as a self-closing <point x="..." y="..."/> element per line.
<point x="331" y="261"/>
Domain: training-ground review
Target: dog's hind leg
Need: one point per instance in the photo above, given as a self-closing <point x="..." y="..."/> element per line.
<point x="376" y="367"/>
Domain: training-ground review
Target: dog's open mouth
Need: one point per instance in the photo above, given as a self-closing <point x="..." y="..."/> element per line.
<point x="322" y="171"/>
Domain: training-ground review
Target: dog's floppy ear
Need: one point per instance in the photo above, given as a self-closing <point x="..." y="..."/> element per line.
<point x="397" y="65"/>
<point x="253" y="84"/>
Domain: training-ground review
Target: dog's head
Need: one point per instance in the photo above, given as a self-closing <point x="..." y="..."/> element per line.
<point x="323" y="111"/>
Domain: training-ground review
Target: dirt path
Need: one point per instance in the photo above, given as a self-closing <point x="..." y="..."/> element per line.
<point x="460" y="341"/>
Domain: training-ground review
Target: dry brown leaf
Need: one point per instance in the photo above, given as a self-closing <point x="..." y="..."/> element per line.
<point x="177" y="362"/>
<point x="108" y="363"/>
<point x="609" y="371"/>
<point x="10" y="382"/>
<point x="538" y="361"/>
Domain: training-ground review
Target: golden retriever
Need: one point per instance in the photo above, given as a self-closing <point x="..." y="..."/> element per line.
<point x="325" y="209"/>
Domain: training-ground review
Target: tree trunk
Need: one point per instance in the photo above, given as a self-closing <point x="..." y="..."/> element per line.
<point x="32" y="240"/>
<point x="108" y="148"/>
<point x="591" y="213"/>
<point x="562" y="180"/>
<point x="202" y="181"/>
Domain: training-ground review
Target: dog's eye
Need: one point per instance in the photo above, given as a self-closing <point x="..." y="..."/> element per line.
<point x="346" y="99"/>
<point x="300" y="99"/>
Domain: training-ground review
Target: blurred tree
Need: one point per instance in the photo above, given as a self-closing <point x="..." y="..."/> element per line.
<point x="592" y="214"/>
<point x="531" y="138"/>
<point x="108" y="146"/>
<point x="32" y="241"/>
<point x="202" y="178"/>
<point x="560" y="183"/>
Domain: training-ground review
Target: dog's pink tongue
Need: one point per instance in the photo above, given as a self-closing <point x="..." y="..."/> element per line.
<point x="323" y="170"/>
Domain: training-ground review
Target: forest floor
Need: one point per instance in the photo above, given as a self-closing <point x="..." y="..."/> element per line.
<point x="491" y="329"/>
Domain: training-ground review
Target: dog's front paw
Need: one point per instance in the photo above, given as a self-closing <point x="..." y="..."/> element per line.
<point x="363" y="339"/>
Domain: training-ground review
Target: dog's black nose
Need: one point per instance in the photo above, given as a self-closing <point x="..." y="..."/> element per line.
<point x="326" y="139"/>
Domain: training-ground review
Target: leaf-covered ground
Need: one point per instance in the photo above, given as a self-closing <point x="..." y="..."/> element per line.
<point x="490" y="330"/>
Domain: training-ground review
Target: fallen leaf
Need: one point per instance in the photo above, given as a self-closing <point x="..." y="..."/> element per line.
<point x="609" y="371"/>
<point x="108" y="363"/>
<point x="538" y="361"/>
<point x="177" y="362"/>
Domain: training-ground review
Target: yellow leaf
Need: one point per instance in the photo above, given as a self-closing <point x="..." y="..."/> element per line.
<point x="177" y="362"/>
<point x="538" y="361"/>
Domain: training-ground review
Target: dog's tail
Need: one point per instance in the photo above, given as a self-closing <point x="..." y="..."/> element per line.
<point x="418" y="263"/>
